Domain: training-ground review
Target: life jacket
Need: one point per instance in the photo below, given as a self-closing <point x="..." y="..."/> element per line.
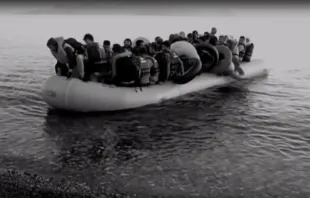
<point x="248" y="53"/>
<point x="154" y="71"/>
<point x="145" y="65"/>
<point x="61" y="55"/>
<point x="77" y="46"/>
<point x="241" y="47"/>
<point x="95" y="54"/>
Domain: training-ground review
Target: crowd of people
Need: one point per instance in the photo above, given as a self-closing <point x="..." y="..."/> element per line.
<point x="141" y="62"/>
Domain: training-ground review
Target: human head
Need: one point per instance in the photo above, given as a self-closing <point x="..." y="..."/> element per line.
<point x="88" y="38"/>
<point x="231" y="43"/>
<point x="139" y="43"/>
<point x="190" y="37"/>
<point x="171" y="37"/>
<point x="165" y="45"/>
<point x="52" y="44"/>
<point x="127" y="43"/>
<point x="206" y="35"/>
<point x="154" y="47"/>
<point x="213" y="41"/>
<point x="117" y="48"/>
<point x="247" y="40"/>
<point x="213" y="31"/>
<point x="107" y="44"/>
<point x="158" y="40"/>
<point x="222" y="39"/>
<point x="242" y="39"/>
<point x="195" y="35"/>
<point x="182" y="34"/>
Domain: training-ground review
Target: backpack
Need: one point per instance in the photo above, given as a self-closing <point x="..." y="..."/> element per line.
<point x="93" y="52"/>
<point x="128" y="69"/>
<point x="77" y="46"/>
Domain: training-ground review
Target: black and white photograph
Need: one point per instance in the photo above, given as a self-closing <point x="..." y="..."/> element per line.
<point x="154" y="99"/>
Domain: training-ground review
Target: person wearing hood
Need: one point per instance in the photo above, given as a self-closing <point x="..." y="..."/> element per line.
<point x="128" y="44"/>
<point x="67" y="58"/>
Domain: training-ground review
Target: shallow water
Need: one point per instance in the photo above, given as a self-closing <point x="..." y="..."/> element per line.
<point x="246" y="139"/>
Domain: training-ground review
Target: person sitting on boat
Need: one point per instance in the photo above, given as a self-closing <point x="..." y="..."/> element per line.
<point x="222" y="40"/>
<point x="248" y="50"/>
<point x="213" y="34"/>
<point x="108" y="50"/>
<point x="122" y="63"/>
<point x="136" y="50"/>
<point x="153" y="49"/>
<point x="189" y="37"/>
<point x="173" y="37"/>
<point x="203" y="39"/>
<point x="69" y="57"/>
<point x="182" y="34"/>
<point x="95" y="58"/>
<point x="233" y="46"/>
<point x="149" y="70"/>
<point x="158" y="40"/>
<point x="195" y="37"/>
<point x="175" y="65"/>
<point x="213" y="41"/>
<point x="241" y="46"/>
<point x="128" y="44"/>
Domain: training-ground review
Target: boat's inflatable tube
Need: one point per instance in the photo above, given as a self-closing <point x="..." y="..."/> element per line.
<point x="225" y="65"/>
<point x="209" y="59"/>
<point x="192" y="62"/>
<point x="76" y="95"/>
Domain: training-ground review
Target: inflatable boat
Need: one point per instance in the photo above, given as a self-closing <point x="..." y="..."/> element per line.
<point x="76" y="95"/>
